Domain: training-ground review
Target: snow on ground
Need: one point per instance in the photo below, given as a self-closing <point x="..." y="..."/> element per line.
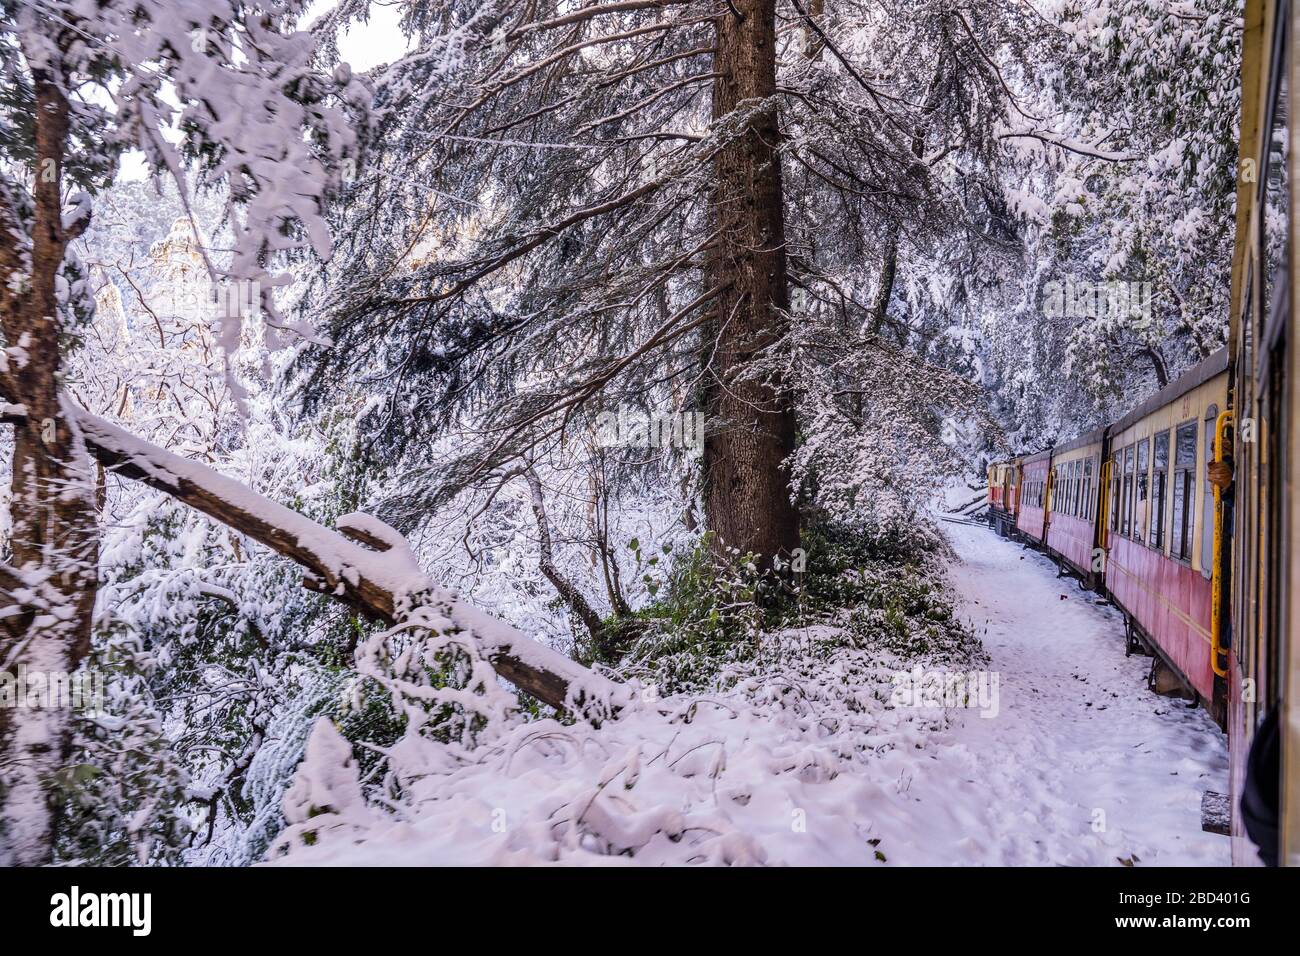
<point x="1079" y="738"/>
<point x="1077" y="763"/>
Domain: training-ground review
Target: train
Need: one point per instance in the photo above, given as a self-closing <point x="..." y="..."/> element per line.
<point x="1129" y="509"/>
<point x="1182" y="512"/>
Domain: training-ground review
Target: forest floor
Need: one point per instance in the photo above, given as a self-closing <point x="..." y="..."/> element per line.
<point x="813" y="760"/>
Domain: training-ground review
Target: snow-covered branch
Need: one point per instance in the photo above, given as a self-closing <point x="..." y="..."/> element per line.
<point x="385" y="583"/>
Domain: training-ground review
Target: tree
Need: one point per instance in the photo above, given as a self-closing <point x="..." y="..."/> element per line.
<point x="1143" y="197"/>
<point x="277" y="159"/>
<point x="570" y="212"/>
<point x="747" y="487"/>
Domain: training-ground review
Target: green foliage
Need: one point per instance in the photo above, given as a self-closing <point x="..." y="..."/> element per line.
<point x="883" y="588"/>
<point x="710" y="611"/>
<point x="121" y="797"/>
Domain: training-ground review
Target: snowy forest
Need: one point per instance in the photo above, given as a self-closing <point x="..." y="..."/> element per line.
<point x="526" y="431"/>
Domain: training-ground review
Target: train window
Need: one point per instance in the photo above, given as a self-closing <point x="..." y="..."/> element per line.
<point x="1116" y="499"/>
<point x="1140" y="508"/>
<point x="1207" y="493"/>
<point x="1184" y="491"/>
<point x="1159" y="468"/>
<point x="1076" y="504"/>
<point x="1087" y="490"/>
<point x="1126" y="517"/>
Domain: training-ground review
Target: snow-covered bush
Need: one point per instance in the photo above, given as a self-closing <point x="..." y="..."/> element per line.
<point x="789" y="755"/>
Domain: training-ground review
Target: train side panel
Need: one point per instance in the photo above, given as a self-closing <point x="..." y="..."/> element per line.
<point x="1033" y="494"/>
<point x="1159" y="539"/>
<point x="1071" y="524"/>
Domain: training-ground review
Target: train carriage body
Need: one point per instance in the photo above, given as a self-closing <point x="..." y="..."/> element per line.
<point x="1071" y="521"/>
<point x="1035" y="489"/>
<point x="1159" y="536"/>
<point x="1260" y="637"/>
<point x="1004" y="489"/>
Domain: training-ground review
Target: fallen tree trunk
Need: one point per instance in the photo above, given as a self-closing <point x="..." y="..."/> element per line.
<point x="374" y="572"/>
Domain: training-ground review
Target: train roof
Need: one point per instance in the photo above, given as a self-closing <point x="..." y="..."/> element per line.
<point x="1199" y="374"/>
<point x="1087" y="438"/>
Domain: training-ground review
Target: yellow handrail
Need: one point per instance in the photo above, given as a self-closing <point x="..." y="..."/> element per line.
<point x="1216" y="575"/>
<point x="1103" y="513"/>
<point x="1048" y="489"/>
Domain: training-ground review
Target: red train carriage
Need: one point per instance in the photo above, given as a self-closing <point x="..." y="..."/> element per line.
<point x="1159" y="535"/>
<point x="1004" y="497"/>
<point x="1072" y="508"/>
<point x="1035" y="488"/>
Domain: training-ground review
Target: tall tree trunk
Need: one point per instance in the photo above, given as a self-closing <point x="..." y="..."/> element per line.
<point x="750" y="429"/>
<point x="885" y="287"/>
<point x="54" y="542"/>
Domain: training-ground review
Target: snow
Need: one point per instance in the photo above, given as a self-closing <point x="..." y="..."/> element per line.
<point x="1080" y="738"/>
<point x="1077" y="764"/>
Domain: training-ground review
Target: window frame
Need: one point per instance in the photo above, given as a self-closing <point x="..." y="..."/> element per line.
<point x="1126" y="517"/>
<point x="1158" y="530"/>
<point x="1141" y="489"/>
<point x="1187" y="532"/>
<point x="1210" y="421"/>
<point x="1087" y="487"/>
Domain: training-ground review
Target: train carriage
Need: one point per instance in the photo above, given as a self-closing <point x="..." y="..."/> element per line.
<point x="1071" y="521"/>
<point x="1258" y="634"/>
<point x="1158" y="538"/>
<point x="1035" y="490"/>
<point x="1004" y="488"/>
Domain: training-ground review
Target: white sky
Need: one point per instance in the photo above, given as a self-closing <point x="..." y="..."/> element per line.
<point x="368" y="44"/>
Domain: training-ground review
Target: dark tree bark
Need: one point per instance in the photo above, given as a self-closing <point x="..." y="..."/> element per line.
<point x="1157" y="365"/>
<point x="750" y="422"/>
<point x="885" y="288"/>
<point x="54" y="543"/>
